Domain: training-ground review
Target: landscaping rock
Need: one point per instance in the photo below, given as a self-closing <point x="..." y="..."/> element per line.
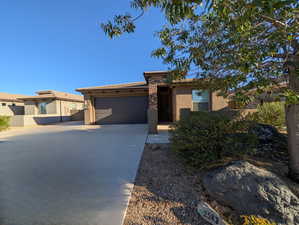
<point x="209" y="214"/>
<point x="265" y="133"/>
<point x="250" y="190"/>
<point x="271" y="143"/>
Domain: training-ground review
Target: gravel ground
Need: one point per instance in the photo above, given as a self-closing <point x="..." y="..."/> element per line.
<point x="164" y="192"/>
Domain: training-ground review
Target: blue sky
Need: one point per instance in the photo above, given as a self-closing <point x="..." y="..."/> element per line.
<point x="59" y="45"/>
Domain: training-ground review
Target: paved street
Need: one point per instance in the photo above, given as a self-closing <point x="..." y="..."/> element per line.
<point x="68" y="174"/>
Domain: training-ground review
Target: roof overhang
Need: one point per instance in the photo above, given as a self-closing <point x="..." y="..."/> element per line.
<point x="128" y="87"/>
<point x="149" y="74"/>
<point x="10" y="100"/>
<point x="42" y="98"/>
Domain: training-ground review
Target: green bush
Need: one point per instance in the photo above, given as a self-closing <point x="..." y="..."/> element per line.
<point x="209" y="137"/>
<point x="272" y="113"/>
<point x="4" y="122"/>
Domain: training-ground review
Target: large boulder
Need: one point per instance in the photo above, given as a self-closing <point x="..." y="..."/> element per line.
<point x="250" y="190"/>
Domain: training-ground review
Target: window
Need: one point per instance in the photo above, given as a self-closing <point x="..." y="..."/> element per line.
<point x="13" y="104"/>
<point x="42" y="108"/>
<point x="3" y="104"/>
<point x="201" y="100"/>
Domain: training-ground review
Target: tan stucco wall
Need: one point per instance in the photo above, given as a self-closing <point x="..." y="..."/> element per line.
<point x="30" y="108"/>
<point x="218" y="102"/>
<point x="52" y="107"/>
<point x="59" y="107"/>
<point x="89" y="112"/>
<point x="182" y="99"/>
<point x="66" y="107"/>
<point x="32" y="117"/>
<point x="33" y="120"/>
<point x="10" y="110"/>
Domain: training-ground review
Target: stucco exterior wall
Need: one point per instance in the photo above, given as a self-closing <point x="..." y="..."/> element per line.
<point x="218" y="102"/>
<point x="182" y="101"/>
<point x="59" y="107"/>
<point x="32" y="117"/>
<point x="89" y="112"/>
<point x="34" y="120"/>
<point x="16" y="121"/>
<point x="30" y="108"/>
<point x="10" y="110"/>
<point x="65" y="107"/>
<point x="77" y="115"/>
<point x="52" y="107"/>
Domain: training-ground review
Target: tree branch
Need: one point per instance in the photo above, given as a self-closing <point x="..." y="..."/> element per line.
<point x="281" y="56"/>
<point x="139" y="16"/>
<point x="275" y="22"/>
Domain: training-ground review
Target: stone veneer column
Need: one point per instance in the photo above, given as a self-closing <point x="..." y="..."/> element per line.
<point x="153" y="107"/>
<point x="153" y="83"/>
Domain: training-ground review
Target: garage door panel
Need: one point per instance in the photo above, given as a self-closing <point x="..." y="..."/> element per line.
<point x="121" y="110"/>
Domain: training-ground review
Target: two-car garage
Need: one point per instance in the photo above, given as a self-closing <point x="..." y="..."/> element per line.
<point x="121" y="110"/>
<point x="116" y="104"/>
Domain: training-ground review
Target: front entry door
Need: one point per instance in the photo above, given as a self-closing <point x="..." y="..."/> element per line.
<point x="164" y="104"/>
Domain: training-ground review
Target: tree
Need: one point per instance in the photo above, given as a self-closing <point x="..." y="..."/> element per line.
<point x="234" y="45"/>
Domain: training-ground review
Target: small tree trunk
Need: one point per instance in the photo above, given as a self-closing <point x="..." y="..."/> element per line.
<point x="292" y="117"/>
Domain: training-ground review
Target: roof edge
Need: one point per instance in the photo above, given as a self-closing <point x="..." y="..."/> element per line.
<point x="149" y="74"/>
<point x="36" y="98"/>
<point x="122" y="86"/>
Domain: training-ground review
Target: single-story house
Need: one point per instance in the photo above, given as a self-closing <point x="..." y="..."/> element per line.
<point x="48" y="107"/>
<point x="11" y="105"/>
<point x="153" y="101"/>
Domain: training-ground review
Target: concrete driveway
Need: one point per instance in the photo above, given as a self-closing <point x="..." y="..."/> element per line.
<point x="68" y="174"/>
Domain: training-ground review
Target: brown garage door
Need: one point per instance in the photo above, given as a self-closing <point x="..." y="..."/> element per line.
<point x="121" y="110"/>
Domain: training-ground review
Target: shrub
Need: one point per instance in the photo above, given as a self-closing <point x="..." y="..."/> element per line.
<point x="4" y="122"/>
<point x="272" y="113"/>
<point x="208" y="137"/>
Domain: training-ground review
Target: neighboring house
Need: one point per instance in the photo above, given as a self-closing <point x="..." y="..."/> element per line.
<point x="10" y="105"/>
<point x="48" y="107"/>
<point x="153" y="101"/>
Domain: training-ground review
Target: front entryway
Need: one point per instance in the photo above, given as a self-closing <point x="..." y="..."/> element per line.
<point x="164" y="105"/>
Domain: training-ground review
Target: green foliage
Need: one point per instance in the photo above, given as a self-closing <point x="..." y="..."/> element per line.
<point x="230" y="45"/>
<point x="4" y="122"/>
<point x="291" y="97"/>
<point x="123" y="23"/>
<point x="271" y="113"/>
<point x="235" y="45"/>
<point x="206" y="137"/>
